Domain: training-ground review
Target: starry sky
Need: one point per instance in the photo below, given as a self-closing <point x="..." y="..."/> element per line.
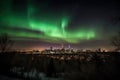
<point x="39" y="24"/>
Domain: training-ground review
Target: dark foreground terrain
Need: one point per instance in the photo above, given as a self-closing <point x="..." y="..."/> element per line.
<point x="77" y="66"/>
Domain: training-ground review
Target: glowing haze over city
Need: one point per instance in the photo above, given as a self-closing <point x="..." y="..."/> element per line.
<point x="39" y="24"/>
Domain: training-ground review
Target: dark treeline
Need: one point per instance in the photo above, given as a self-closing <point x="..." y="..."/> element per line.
<point x="89" y="66"/>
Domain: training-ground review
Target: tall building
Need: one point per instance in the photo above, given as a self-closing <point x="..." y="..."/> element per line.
<point x="51" y="48"/>
<point x="69" y="47"/>
<point x="62" y="47"/>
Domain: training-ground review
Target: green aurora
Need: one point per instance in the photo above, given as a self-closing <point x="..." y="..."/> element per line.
<point x="51" y="28"/>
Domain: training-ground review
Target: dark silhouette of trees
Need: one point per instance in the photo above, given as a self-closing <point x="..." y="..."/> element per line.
<point x="5" y="42"/>
<point x="115" y="20"/>
<point x="51" y="71"/>
<point x="115" y="40"/>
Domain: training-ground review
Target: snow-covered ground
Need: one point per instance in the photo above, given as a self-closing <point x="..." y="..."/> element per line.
<point x="33" y="73"/>
<point x="7" y="78"/>
<point x="42" y="78"/>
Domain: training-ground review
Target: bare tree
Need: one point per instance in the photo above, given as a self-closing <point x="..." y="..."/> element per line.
<point x="115" y="41"/>
<point x="115" y="20"/>
<point x="5" y="42"/>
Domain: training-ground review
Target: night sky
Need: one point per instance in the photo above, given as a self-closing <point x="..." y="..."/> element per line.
<point x="39" y="24"/>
